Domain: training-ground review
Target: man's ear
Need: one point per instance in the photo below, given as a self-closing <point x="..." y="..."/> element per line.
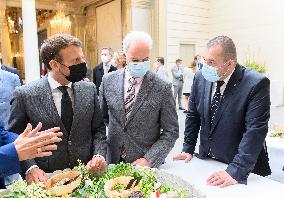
<point x="232" y="63"/>
<point x="54" y="65"/>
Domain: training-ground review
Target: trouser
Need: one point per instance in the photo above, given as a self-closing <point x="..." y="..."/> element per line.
<point x="178" y="92"/>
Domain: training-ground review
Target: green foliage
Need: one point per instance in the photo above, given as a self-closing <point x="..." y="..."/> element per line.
<point x="20" y="189"/>
<point x="147" y="183"/>
<point x="93" y="186"/>
<point x="165" y="189"/>
<point x="255" y="66"/>
<point x="96" y="189"/>
<point x="119" y="187"/>
<point x="278" y="134"/>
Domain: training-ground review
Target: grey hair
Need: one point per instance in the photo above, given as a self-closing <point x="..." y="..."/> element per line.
<point x="136" y="36"/>
<point x="227" y="44"/>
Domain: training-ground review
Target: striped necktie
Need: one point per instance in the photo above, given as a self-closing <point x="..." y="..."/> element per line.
<point x="130" y="97"/>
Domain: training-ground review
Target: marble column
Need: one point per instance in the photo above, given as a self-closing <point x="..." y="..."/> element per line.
<point x="5" y="39"/>
<point x="143" y="15"/>
<point x="78" y="29"/>
<point x="91" y="43"/>
<point x="31" y="54"/>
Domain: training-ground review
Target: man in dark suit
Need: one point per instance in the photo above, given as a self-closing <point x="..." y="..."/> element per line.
<point x="12" y="70"/>
<point x="28" y="145"/>
<point x="230" y="107"/>
<point x="104" y="67"/>
<point x="62" y="99"/>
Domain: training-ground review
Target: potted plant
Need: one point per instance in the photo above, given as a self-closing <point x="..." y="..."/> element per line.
<point x="255" y="66"/>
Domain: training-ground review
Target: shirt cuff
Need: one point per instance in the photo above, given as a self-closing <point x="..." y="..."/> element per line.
<point x="188" y="148"/>
<point x="9" y="159"/>
<point x="32" y="167"/>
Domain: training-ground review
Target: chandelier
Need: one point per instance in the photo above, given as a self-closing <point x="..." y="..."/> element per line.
<point x="60" y="24"/>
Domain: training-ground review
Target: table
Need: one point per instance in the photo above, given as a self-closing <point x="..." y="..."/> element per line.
<point x="275" y="148"/>
<point x="276" y="92"/>
<point x="197" y="171"/>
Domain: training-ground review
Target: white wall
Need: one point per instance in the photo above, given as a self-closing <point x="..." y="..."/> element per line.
<point x="187" y="23"/>
<point x="141" y="19"/>
<point x="109" y="27"/>
<point x="256" y="27"/>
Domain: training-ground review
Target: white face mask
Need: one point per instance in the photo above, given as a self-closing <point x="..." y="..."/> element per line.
<point x="104" y="58"/>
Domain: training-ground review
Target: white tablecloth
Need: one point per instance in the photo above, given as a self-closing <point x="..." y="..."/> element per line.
<point x="197" y="171"/>
<point x="276" y="92"/>
<point x="275" y="148"/>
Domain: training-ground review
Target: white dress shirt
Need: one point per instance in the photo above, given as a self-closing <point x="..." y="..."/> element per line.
<point x="222" y="88"/>
<point x="57" y="94"/>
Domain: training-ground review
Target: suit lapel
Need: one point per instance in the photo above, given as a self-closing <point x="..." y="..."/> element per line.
<point x="145" y="88"/>
<point x="78" y="106"/>
<point x="207" y="101"/>
<point x="229" y="94"/>
<point x="101" y="70"/>
<point x="120" y="92"/>
<point x="46" y="101"/>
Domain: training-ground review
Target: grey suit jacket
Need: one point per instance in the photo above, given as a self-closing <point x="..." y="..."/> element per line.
<point x="177" y="75"/>
<point x="34" y="103"/>
<point x="152" y="127"/>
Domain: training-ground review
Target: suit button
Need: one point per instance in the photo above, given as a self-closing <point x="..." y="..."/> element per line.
<point x="69" y="143"/>
<point x="210" y="138"/>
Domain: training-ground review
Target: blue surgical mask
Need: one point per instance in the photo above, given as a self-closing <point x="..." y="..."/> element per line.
<point x="210" y="73"/>
<point x="138" y="69"/>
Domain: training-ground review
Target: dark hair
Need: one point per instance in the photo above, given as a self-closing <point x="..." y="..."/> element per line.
<point x="227" y="44"/>
<point x="161" y="60"/>
<point x="178" y="60"/>
<point x="195" y="57"/>
<point x="51" y="47"/>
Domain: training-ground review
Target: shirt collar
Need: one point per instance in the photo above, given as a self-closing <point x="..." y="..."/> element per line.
<point x="108" y="64"/>
<point x="54" y="84"/>
<point x="128" y="76"/>
<point x="226" y="80"/>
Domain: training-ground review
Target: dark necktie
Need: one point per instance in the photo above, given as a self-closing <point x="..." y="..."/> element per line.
<point x="216" y="101"/>
<point x="66" y="109"/>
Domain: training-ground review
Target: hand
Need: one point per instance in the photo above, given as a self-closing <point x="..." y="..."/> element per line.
<point x="183" y="156"/>
<point x="221" y="179"/>
<point x="141" y="162"/>
<point x="32" y="143"/>
<point x="36" y="175"/>
<point x="97" y="164"/>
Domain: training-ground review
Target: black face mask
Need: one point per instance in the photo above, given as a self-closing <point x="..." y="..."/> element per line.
<point x="77" y="72"/>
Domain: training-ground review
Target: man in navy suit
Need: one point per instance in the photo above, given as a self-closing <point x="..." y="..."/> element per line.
<point x="30" y="144"/>
<point x="230" y="107"/>
<point x="8" y="83"/>
<point x="12" y="70"/>
<point x="104" y="67"/>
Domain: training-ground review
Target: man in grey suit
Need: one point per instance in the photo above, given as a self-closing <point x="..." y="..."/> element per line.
<point x="62" y="99"/>
<point x="177" y="72"/>
<point x="139" y="108"/>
